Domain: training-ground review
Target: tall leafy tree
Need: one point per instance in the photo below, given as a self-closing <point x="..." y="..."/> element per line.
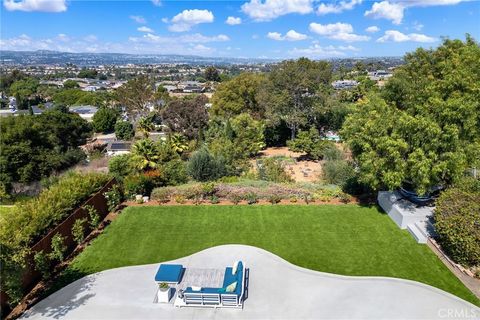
<point x="294" y="89"/>
<point x="186" y="116"/>
<point x="137" y="95"/>
<point x="237" y="96"/>
<point x="211" y="74"/>
<point x="425" y="128"/>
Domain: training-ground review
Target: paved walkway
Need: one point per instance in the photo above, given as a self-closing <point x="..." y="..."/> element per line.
<point x="277" y="290"/>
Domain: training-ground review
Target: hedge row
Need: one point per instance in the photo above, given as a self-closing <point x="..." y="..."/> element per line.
<point x="29" y="221"/>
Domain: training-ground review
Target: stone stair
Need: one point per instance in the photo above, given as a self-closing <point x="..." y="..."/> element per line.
<point x="421" y="230"/>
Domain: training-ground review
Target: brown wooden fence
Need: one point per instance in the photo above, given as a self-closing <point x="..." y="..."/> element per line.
<point x="32" y="276"/>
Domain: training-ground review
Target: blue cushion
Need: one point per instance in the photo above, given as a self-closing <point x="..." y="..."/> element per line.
<point x="229" y="277"/>
<point x="169" y="273"/>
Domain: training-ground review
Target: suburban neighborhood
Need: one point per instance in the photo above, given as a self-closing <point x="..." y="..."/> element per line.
<point x="200" y="161"/>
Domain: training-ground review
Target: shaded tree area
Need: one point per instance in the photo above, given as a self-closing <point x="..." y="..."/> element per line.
<point x="424" y="127"/>
<point x="186" y="116"/>
<point x="32" y="147"/>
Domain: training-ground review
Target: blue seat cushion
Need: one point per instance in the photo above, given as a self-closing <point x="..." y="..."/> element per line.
<point x="169" y="273"/>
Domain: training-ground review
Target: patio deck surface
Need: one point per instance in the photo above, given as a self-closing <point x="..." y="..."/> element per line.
<point x="276" y="290"/>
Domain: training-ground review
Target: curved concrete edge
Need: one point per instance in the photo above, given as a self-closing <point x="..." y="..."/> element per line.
<point x="303" y="270"/>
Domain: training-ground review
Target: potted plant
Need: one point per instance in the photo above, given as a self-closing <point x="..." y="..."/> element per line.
<point x="163" y="287"/>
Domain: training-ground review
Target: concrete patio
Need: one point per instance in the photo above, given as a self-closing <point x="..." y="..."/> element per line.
<point x="277" y="290"/>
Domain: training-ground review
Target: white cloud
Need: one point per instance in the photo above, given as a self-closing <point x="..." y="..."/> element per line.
<point x="201" y="49"/>
<point x="337" y="8"/>
<point x="145" y="29"/>
<point x="233" y="21"/>
<point x="386" y="10"/>
<point x="394" y="9"/>
<point x="157" y="3"/>
<point x="417" y="26"/>
<point x="337" y="31"/>
<point x="372" y="29"/>
<point x="63" y="37"/>
<point x="348" y="48"/>
<point x="138" y="19"/>
<point x="188" y="38"/>
<point x="316" y="51"/>
<point x="90" y="38"/>
<point x="185" y="20"/>
<point x="36" y="5"/>
<point x="397" y="36"/>
<point x="266" y="10"/>
<point x="291" y="35"/>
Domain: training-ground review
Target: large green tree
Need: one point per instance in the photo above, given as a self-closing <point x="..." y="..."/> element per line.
<point x="137" y="95"/>
<point x="425" y="127"/>
<point x="293" y="91"/>
<point x="237" y="96"/>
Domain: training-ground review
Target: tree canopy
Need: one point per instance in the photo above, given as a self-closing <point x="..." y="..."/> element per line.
<point x="424" y="129"/>
<point x="186" y="116"/>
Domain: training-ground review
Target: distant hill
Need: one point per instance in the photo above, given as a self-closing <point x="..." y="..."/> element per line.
<point x="85" y="59"/>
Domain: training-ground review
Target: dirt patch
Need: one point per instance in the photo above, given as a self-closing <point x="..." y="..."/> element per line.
<point x="300" y="169"/>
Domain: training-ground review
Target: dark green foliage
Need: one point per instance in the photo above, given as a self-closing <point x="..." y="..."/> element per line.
<point x="33" y="147"/>
<point x="70" y="84"/>
<point x="425" y="126"/>
<point x="211" y="74"/>
<point x="87" y="73"/>
<point x="104" y="120"/>
<point x="114" y="197"/>
<point x="186" y="116"/>
<point x="42" y="263"/>
<point x="25" y="91"/>
<point x="137" y="184"/>
<point x="312" y="144"/>
<point x="202" y="166"/>
<point x="93" y="216"/>
<point x="120" y="166"/>
<point x="337" y="172"/>
<point x="78" y="230"/>
<point x="457" y="223"/>
<point x="58" y="248"/>
<point x="271" y="169"/>
<point x="214" y="199"/>
<point x="175" y="173"/>
<point x="32" y="219"/>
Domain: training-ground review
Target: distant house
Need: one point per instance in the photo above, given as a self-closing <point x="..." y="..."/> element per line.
<point x="344" y="84"/>
<point x="193" y="89"/>
<point x="86" y="112"/>
<point x="116" y="148"/>
<point x="379" y="75"/>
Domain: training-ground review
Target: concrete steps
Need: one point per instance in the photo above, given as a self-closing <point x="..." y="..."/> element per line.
<point x="421" y="230"/>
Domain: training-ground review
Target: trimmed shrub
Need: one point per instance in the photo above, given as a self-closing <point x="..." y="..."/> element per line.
<point x="137" y="184"/>
<point x="202" y="166"/>
<point x="272" y="169"/>
<point x="104" y="120"/>
<point x="120" y="166"/>
<point x="337" y="172"/>
<point x="124" y="130"/>
<point x="175" y="173"/>
<point x="457" y="222"/>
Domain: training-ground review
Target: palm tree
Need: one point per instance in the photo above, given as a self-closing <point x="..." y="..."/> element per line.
<point x="145" y="125"/>
<point x="178" y="143"/>
<point x="145" y="154"/>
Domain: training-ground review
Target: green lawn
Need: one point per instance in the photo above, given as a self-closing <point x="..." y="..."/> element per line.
<point x="346" y="239"/>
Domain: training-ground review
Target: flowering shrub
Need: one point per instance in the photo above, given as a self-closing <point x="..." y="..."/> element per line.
<point x="114" y="197"/>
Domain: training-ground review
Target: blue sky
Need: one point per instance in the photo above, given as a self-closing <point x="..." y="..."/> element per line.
<point x="253" y="28"/>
